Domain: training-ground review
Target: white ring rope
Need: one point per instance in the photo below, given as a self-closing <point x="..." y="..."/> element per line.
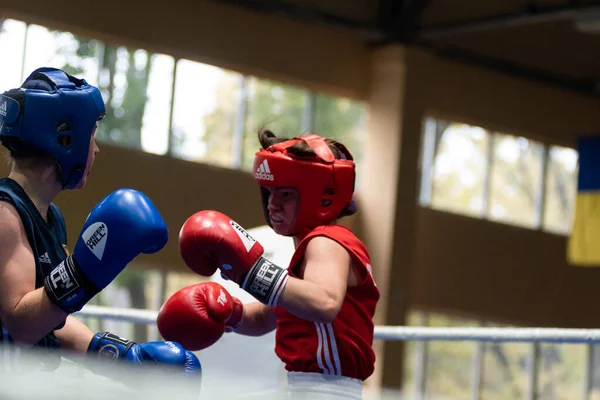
<point x="477" y="334"/>
<point x="134" y="315"/>
<point x="416" y="333"/>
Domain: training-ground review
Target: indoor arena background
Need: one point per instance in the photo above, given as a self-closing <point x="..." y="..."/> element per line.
<point x="463" y="117"/>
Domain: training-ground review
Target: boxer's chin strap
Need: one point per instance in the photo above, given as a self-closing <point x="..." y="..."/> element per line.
<point x="265" y="281"/>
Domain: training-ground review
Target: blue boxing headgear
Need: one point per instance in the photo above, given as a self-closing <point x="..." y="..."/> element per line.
<point x="52" y="113"/>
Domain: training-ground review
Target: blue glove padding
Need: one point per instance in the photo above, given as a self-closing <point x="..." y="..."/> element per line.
<point x="167" y="362"/>
<point x="120" y="227"/>
<point x="112" y="347"/>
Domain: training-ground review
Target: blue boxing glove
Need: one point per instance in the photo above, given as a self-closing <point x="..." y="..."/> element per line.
<point x="119" y="228"/>
<point x="110" y="348"/>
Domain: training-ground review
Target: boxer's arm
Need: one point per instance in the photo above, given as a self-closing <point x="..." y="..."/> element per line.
<point x="258" y="320"/>
<point x="27" y="313"/>
<point x="74" y="336"/>
<point x="319" y="295"/>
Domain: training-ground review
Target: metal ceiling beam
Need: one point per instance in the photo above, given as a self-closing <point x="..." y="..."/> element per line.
<point x="306" y="15"/>
<point x="389" y="11"/>
<point x="400" y="19"/>
<point x="509" y="20"/>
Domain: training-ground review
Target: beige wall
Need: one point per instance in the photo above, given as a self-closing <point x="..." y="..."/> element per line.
<point x="502" y="273"/>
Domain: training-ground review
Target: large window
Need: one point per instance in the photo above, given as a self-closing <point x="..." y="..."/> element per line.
<point x="459" y="174"/>
<point x="498" y="176"/>
<point x="516" y="180"/>
<point x="340" y="119"/>
<point x="279" y="108"/>
<point x="456" y="370"/>
<point x="12" y="40"/>
<point x="157" y="110"/>
<point x="178" y="107"/>
<point x="561" y="189"/>
<point x="204" y="113"/>
<point x="137" y="106"/>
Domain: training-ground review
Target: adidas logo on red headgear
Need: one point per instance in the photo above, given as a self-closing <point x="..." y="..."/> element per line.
<point x="264" y="172"/>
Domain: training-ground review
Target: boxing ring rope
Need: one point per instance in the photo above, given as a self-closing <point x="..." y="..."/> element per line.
<point x="133" y="315"/>
<point x="422" y="334"/>
<point x="413" y="333"/>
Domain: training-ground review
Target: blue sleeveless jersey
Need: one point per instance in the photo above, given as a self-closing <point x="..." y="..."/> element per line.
<point x="48" y="241"/>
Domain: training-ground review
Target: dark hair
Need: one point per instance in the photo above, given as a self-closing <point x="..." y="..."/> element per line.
<point x="19" y="151"/>
<point x="302" y="149"/>
<point x="25" y="155"/>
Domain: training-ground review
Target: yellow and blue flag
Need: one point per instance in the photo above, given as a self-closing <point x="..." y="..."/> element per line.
<point x="584" y="241"/>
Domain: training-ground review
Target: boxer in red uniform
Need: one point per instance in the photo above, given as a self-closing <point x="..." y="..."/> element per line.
<point x="321" y="306"/>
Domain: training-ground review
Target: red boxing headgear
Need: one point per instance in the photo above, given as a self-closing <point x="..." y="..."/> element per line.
<point x="325" y="184"/>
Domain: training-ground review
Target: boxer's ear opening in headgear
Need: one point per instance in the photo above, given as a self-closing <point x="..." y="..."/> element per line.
<point x="64" y="126"/>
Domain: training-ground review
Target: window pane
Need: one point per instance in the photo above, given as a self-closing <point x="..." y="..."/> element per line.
<point x="12" y="41"/>
<point x="516" y="180"/>
<point x="204" y="113"/>
<point x="459" y="169"/>
<point x="76" y="55"/>
<point x="341" y="119"/>
<point x="561" y="189"/>
<point x="157" y="110"/>
<point x="279" y="106"/>
<point x="505" y="370"/>
<point x="124" y="81"/>
<point x="561" y="371"/>
<point x="595" y="374"/>
<point x="449" y="364"/>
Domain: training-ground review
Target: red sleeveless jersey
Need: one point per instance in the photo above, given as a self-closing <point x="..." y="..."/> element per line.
<point x="343" y="347"/>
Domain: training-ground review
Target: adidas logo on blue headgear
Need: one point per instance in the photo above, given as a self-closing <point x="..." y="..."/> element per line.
<point x="53" y="113"/>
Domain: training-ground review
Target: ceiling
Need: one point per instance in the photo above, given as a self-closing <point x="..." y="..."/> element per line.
<point x="555" y="42"/>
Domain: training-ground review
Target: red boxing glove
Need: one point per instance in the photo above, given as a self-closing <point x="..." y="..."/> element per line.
<point x="210" y="240"/>
<point x="198" y="315"/>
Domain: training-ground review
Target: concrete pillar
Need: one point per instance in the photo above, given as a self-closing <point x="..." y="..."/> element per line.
<point x="388" y="195"/>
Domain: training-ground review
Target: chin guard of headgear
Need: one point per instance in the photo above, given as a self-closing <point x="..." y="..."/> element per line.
<point x="325" y="184"/>
<point x="52" y="113"/>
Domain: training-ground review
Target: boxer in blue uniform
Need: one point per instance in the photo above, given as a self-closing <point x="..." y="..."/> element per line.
<point x="48" y="125"/>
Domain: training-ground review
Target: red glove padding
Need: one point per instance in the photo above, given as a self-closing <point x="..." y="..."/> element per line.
<point x="210" y="240"/>
<point x="198" y="315"/>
